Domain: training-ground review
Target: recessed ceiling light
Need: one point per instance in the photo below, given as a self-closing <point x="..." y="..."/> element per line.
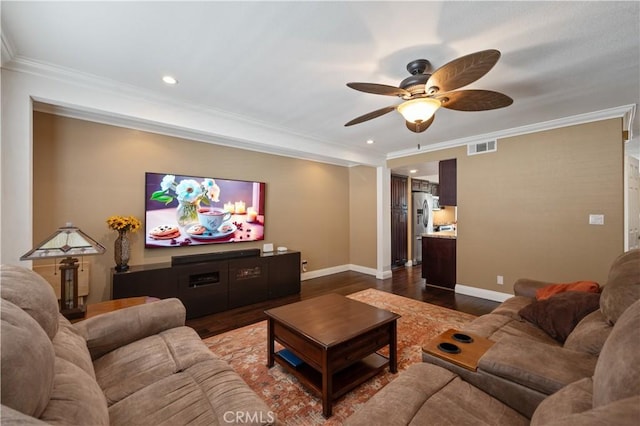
<point x="413" y="171"/>
<point x="169" y="79"/>
<point x="369" y="141"/>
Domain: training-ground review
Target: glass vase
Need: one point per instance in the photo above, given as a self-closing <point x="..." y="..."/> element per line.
<point x="121" y="252"/>
<point x="187" y="213"/>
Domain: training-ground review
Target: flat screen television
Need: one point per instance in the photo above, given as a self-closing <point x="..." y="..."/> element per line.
<point x="193" y="210"/>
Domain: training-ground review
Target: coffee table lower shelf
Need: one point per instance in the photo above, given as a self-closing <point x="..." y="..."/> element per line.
<point x="343" y="380"/>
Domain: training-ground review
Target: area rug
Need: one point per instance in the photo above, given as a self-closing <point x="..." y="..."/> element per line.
<point x="246" y="351"/>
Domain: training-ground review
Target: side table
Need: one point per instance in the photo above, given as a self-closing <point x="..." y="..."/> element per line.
<point x="94" y="309"/>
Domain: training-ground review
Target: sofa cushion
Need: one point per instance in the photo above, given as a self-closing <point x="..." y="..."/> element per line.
<point x="31" y="293"/>
<point x="496" y="327"/>
<point x="27" y="361"/>
<point x="208" y="393"/>
<point x="76" y="398"/>
<point x="130" y="368"/>
<point x="428" y="394"/>
<point x="544" y="368"/>
<point x="590" y="334"/>
<point x="553" y="289"/>
<point x="622" y="287"/>
<point x="617" y="374"/>
<point x="574" y="398"/>
<point x="559" y="314"/>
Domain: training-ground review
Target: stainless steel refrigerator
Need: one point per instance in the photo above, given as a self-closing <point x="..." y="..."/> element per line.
<point x="422" y="216"/>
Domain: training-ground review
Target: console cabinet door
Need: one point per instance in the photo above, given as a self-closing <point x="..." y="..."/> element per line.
<point x="203" y="287"/>
<point x="248" y="281"/>
<point x="157" y="282"/>
<point x="284" y="274"/>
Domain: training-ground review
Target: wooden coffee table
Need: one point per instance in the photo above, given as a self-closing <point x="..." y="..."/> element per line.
<point x="335" y="339"/>
<point x="469" y="355"/>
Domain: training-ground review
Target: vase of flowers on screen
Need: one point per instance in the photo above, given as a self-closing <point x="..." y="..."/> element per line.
<point x="190" y="195"/>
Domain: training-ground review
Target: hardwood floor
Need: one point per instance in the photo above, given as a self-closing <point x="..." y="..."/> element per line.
<point x="406" y="281"/>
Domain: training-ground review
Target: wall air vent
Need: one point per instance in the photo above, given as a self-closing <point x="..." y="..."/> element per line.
<point x="482" y="147"/>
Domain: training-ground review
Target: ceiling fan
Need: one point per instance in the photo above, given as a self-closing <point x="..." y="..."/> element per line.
<point x="424" y="93"/>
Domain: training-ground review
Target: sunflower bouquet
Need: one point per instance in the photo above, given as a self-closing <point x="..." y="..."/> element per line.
<point x="124" y="223"/>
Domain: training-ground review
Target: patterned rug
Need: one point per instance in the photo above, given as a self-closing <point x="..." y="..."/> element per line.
<point x="246" y="350"/>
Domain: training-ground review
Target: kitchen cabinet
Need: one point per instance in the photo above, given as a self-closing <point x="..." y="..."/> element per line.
<point x="419" y="185"/>
<point x="399" y="224"/>
<point x="448" y="182"/>
<point x="439" y="261"/>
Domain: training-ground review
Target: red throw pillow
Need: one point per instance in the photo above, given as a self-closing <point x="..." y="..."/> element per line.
<point x="551" y="289"/>
<point x="558" y="315"/>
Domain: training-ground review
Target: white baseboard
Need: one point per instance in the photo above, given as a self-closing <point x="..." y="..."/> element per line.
<point x="342" y="268"/>
<point x="381" y="275"/>
<point x="496" y="296"/>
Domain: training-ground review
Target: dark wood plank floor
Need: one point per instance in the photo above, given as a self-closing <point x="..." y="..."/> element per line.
<point x="405" y="282"/>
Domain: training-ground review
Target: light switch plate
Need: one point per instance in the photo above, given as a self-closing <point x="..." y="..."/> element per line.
<point x="596" y="219"/>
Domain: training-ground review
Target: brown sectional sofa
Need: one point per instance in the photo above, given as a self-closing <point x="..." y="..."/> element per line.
<point x="527" y="376"/>
<point x="135" y="366"/>
<point x="526" y="365"/>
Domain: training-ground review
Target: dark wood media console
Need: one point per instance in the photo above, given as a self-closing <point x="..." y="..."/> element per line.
<point x="214" y="283"/>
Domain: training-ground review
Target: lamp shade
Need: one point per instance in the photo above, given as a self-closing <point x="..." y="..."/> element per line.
<point x="66" y="241"/>
<point x="419" y="110"/>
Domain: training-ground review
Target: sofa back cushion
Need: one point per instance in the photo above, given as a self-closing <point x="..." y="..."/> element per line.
<point x="27" y="361"/>
<point x="31" y="293"/>
<point x="623" y="285"/>
<point x="590" y="334"/>
<point x="617" y="374"/>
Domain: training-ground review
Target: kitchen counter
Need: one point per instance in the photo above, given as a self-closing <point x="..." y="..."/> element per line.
<point x="441" y="234"/>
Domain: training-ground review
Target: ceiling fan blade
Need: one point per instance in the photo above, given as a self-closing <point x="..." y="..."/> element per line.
<point x="420" y="127"/>
<point x="474" y="100"/>
<point x="371" y="115"/>
<point x="463" y="71"/>
<point x="379" y="89"/>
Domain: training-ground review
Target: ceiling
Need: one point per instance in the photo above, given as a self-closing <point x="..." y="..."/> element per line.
<point x="284" y="65"/>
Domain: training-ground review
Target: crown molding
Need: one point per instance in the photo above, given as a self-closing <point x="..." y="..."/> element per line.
<point x="626" y="112"/>
<point x="317" y="147"/>
<point x="8" y="52"/>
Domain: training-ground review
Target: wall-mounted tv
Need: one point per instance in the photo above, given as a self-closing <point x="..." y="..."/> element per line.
<point x="193" y="210"/>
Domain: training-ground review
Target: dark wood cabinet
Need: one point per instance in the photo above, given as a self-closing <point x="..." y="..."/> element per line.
<point x="399" y="193"/>
<point x="213" y="286"/>
<point x="399" y="225"/>
<point x="419" y="185"/>
<point x="439" y="261"/>
<point x="448" y="183"/>
<point x="202" y="287"/>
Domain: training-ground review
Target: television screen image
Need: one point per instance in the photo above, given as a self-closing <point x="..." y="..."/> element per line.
<point x="193" y="210"/>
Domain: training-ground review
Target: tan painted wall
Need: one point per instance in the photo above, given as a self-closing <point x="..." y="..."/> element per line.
<point x="85" y="172"/>
<point x="523" y="211"/>
<point x="362" y="219"/>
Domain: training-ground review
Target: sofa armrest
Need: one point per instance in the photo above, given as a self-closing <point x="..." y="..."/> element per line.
<point x="11" y="417"/>
<point x="622" y="412"/>
<point x="545" y="368"/>
<point x="112" y="330"/>
<point x="528" y="287"/>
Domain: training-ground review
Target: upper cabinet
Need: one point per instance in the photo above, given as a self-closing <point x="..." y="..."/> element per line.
<point x="399" y="192"/>
<point x="419" y="185"/>
<point x="448" y="183"/>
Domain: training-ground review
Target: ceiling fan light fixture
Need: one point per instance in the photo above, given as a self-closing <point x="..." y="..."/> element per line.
<point x="419" y="110"/>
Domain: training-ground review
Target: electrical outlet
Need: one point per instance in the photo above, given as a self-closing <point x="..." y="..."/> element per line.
<point x="304" y="266"/>
<point x="596" y="219"/>
<point x="500" y="280"/>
